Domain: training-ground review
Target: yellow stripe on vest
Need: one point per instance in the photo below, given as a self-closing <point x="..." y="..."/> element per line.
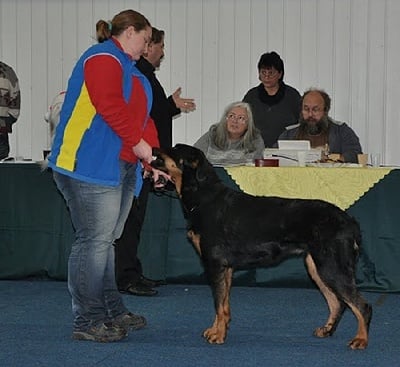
<point x="80" y="120"/>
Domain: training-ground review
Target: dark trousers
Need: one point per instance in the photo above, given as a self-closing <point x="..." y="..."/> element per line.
<point x="128" y="268"/>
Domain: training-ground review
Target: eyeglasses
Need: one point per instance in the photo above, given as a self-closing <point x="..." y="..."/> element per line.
<point x="239" y="118"/>
<point x="313" y="111"/>
<point x="269" y="73"/>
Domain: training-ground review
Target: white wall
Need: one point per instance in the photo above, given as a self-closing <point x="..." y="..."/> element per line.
<point x="348" y="47"/>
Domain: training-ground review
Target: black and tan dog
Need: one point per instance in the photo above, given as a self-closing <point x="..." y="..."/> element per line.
<point x="233" y="230"/>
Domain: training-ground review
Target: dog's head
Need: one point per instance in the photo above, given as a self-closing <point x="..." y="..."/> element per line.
<point x="187" y="166"/>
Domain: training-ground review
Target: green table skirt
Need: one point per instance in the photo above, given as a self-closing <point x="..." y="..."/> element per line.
<point x="36" y="235"/>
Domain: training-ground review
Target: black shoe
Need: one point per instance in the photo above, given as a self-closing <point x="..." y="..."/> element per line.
<point x="138" y="290"/>
<point x="150" y="282"/>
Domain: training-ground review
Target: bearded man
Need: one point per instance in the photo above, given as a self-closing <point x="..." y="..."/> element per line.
<point x="334" y="138"/>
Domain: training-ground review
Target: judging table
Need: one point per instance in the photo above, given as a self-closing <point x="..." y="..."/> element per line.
<point x="36" y="232"/>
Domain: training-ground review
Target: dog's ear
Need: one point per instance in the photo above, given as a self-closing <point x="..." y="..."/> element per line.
<point x="196" y="166"/>
<point x="200" y="166"/>
<point x="202" y="170"/>
<point x="194" y="160"/>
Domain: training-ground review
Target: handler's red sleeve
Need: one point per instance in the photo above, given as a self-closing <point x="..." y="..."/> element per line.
<point x="103" y="78"/>
<point x="150" y="134"/>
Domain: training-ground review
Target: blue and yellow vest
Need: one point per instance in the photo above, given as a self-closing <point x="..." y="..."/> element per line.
<point x="85" y="147"/>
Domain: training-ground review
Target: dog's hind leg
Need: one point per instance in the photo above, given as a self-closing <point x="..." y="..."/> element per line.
<point x="338" y="295"/>
<point x="336" y="306"/>
<point x="363" y="312"/>
<point x="221" y="286"/>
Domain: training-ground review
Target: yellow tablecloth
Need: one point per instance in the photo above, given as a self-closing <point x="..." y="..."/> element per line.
<point x="340" y="186"/>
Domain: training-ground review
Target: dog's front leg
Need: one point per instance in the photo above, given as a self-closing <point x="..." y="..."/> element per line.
<point x="195" y="238"/>
<point x="216" y="334"/>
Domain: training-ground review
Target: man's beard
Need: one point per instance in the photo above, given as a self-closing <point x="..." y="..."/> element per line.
<point x="158" y="63"/>
<point x="310" y="127"/>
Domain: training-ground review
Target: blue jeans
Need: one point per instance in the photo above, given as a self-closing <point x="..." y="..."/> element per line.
<point x="98" y="214"/>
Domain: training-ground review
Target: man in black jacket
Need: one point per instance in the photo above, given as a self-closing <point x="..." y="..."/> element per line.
<point x="129" y="272"/>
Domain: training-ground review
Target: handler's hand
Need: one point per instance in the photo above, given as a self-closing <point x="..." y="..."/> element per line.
<point x="160" y="178"/>
<point x="143" y="151"/>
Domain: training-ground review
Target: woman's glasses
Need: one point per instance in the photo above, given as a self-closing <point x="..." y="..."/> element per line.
<point x="239" y="118"/>
<point x="269" y="73"/>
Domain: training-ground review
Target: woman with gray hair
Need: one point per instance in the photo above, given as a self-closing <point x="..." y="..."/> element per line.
<point x="234" y="139"/>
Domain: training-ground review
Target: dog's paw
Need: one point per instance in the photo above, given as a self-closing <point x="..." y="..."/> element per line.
<point x="358" y="343"/>
<point x="323" y="332"/>
<point x="213" y="336"/>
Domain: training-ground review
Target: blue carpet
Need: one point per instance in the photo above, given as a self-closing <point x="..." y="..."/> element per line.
<point x="270" y="327"/>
